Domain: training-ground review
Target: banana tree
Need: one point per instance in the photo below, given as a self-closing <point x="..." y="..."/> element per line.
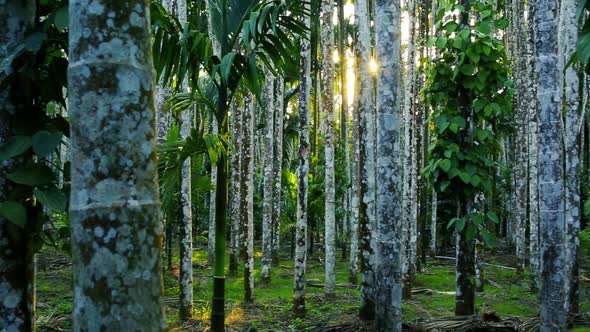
<point x="249" y="32"/>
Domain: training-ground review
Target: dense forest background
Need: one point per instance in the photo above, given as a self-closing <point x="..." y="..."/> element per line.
<point x="290" y="165"/>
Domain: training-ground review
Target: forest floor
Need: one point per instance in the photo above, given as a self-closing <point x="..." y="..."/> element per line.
<point x="506" y="295"/>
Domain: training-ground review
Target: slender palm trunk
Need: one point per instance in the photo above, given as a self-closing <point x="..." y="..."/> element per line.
<point x="212" y="205"/>
<point x="328" y="110"/>
<point x="366" y="164"/>
<point x="279" y="109"/>
<point x="248" y="121"/>
<point x="114" y="212"/>
<point x="551" y="182"/>
<point x="17" y="266"/>
<point x="302" y="178"/>
<point x="389" y="152"/>
<point x="236" y="192"/>
<point x="268" y="176"/>
<point x="433" y="247"/>
<point x="568" y="39"/>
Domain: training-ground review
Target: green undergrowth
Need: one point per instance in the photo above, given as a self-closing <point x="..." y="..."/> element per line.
<point x="506" y="294"/>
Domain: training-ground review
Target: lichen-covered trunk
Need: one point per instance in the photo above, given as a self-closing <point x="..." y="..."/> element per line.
<point x="519" y="169"/>
<point x="236" y="207"/>
<point x="178" y="9"/>
<point x="568" y="39"/>
<point x="409" y="183"/>
<point x="551" y="183"/>
<point x="267" y="203"/>
<point x="433" y="225"/>
<point x="212" y="206"/>
<point x="114" y="212"/>
<point x="302" y="178"/>
<point x="17" y="266"/>
<point x="279" y="109"/>
<point x="327" y="107"/>
<point x="388" y="313"/>
<point x="365" y="118"/>
<point x="355" y="201"/>
<point x="531" y="99"/>
<point x="465" y="267"/>
<point x="248" y="195"/>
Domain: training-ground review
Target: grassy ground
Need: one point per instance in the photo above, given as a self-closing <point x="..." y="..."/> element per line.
<point x="506" y="294"/>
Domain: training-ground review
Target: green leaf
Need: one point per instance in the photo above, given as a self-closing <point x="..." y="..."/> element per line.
<point x="484" y="28"/>
<point x="14" y="146"/>
<point x="465" y="177"/>
<point x="452" y="222"/>
<point x="458" y="42"/>
<point x="493" y="217"/>
<point x="226" y="65"/>
<point x="52" y="198"/>
<point x="44" y="143"/>
<point x="470" y="231"/>
<point x="451" y="27"/>
<point x="14" y="212"/>
<point x="587" y="208"/>
<point x="444" y="185"/>
<point x="61" y="19"/>
<point x="460" y="224"/>
<point x="445" y="165"/>
<point x="441" y="42"/>
<point x="475" y="180"/>
<point x="32" y="175"/>
<point x="488" y="238"/>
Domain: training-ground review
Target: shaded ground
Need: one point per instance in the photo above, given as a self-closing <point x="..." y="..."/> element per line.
<point x="506" y="295"/>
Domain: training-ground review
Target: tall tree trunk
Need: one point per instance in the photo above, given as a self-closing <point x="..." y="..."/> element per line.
<point x="366" y="117"/>
<point x="114" y="212"/>
<point x="248" y="121"/>
<point x="212" y="206"/>
<point x="409" y="184"/>
<point x="268" y="176"/>
<point x="329" y="181"/>
<point x="520" y="136"/>
<point x="433" y="248"/>
<point x="279" y="109"/>
<point x="178" y="9"/>
<point x="17" y="266"/>
<point x="302" y="177"/>
<point x="533" y="155"/>
<point x="568" y="39"/>
<point x="236" y="192"/>
<point x="389" y="152"/>
<point x="551" y="182"/>
<point x="465" y="266"/>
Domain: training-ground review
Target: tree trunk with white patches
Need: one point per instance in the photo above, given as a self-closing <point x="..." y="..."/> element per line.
<point x="327" y="44"/>
<point x="279" y="109"/>
<point x="388" y="313"/>
<point x="302" y="177"/>
<point x="268" y="154"/>
<point x="247" y="195"/>
<point x="533" y="130"/>
<point x="433" y="225"/>
<point x="551" y="182"/>
<point x="17" y="265"/>
<point x="114" y="212"/>
<point x="366" y="120"/>
<point x="177" y="8"/>
<point x="236" y="192"/>
<point x="409" y="229"/>
<point x="568" y="39"/>
<point x="212" y="211"/>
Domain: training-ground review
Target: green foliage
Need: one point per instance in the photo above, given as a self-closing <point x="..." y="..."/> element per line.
<point x="34" y="74"/>
<point x="469" y="89"/>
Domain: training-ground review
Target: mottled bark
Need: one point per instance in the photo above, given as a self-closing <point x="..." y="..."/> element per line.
<point x="248" y="121"/>
<point x="327" y="107"/>
<point x="409" y="182"/>
<point x="465" y="267"/>
<point x="302" y="177"/>
<point x="114" y="212"/>
<point x="235" y="193"/>
<point x="388" y="313"/>
<point x="433" y="226"/>
<point x="267" y="203"/>
<point x="17" y="266"/>
<point x="568" y="39"/>
<point x="551" y="183"/>
<point x="366" y="165"/>
<point x="279" y="109"/>
<point x="212" y="206"/>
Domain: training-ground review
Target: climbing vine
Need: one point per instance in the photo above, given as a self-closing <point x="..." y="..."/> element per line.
<point x="469" y="89"/>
